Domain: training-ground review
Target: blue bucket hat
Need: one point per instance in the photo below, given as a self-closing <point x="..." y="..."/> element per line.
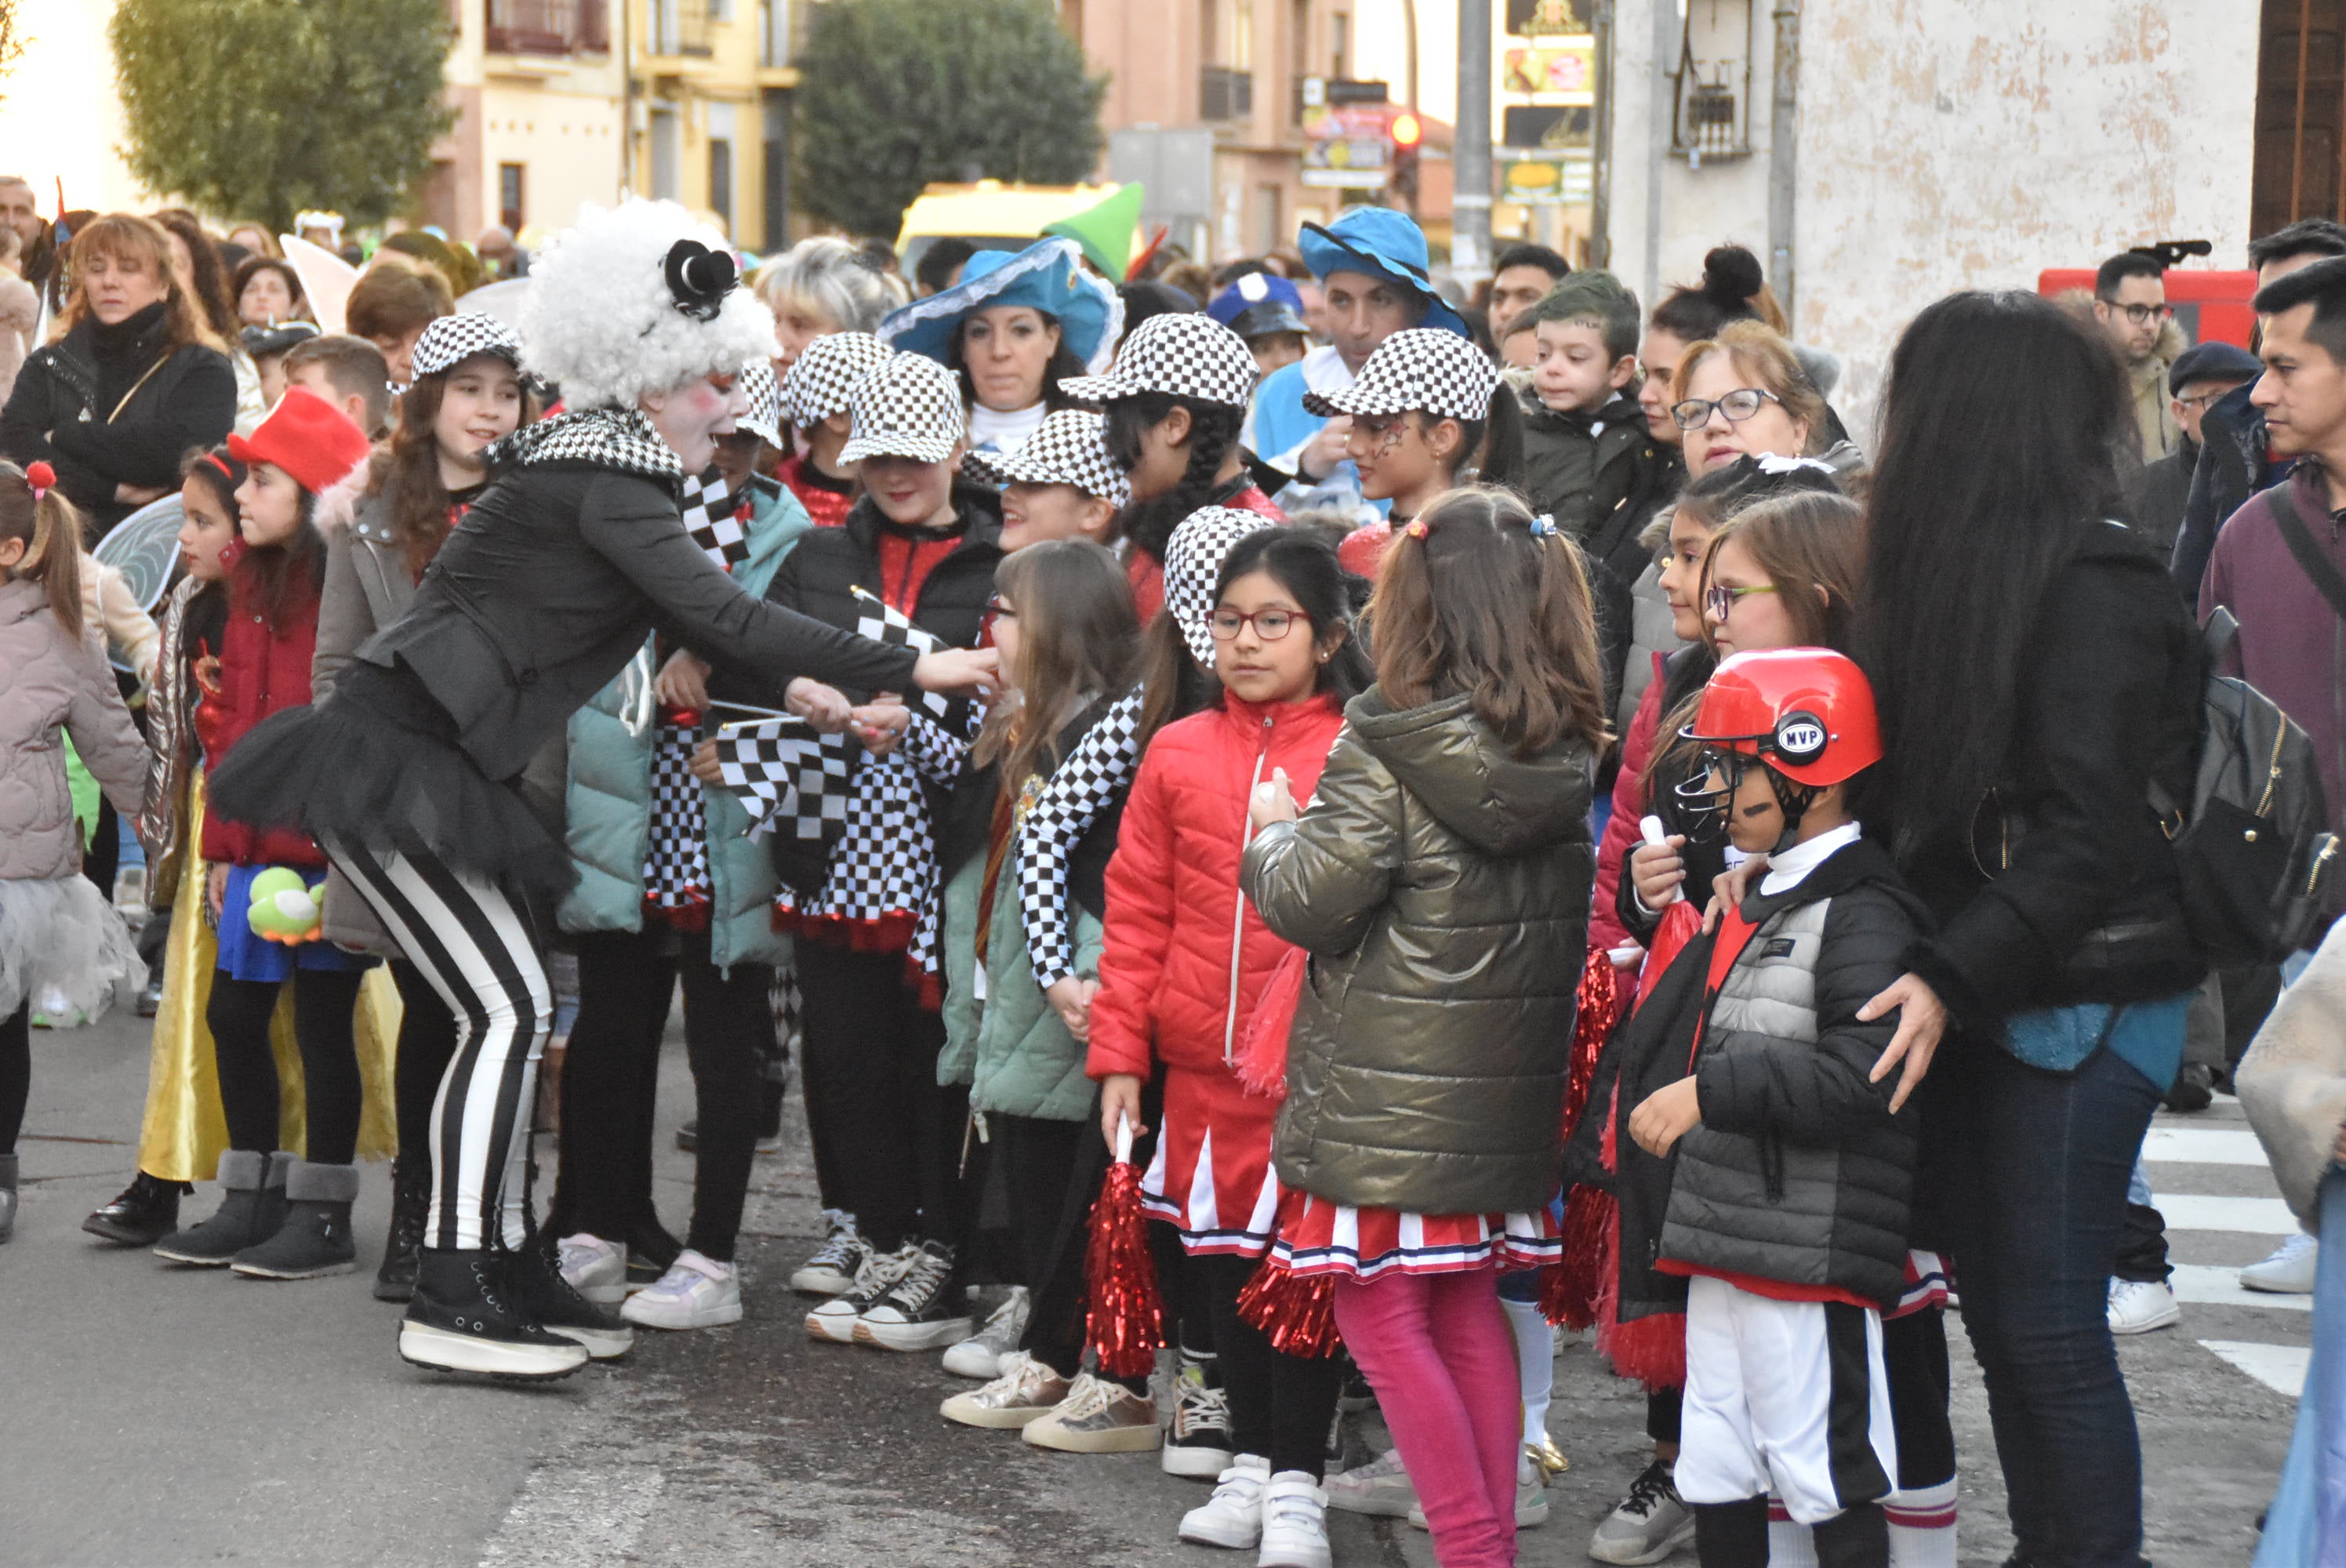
<point x="1259" y="304"/>
<point x="1047" y="276"/>
<point x="1381" y="243"/>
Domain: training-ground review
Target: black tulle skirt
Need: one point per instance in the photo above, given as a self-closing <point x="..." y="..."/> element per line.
<point x="378" y="765"/>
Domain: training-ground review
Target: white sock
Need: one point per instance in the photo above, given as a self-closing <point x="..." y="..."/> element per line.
<point x="1922" y="1526"/>
<point x="1534" y="1364"/>
<point x="1789" y="1545"/>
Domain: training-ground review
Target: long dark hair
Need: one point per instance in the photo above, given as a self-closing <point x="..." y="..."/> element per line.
<point x="1304" y="563"/>
<point x="2000" y="419"/>
<point x="211" y="276"/>
<point x="1491" y="450"/>
<point x="1477" y="603"/>
<point x="1213" y="430"/>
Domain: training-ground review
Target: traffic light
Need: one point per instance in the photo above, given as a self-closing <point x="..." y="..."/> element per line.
<point x="1407" y="132"/>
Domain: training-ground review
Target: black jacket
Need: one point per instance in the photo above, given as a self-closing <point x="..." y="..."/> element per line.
<point x="2234" y="459"/>
<point x="548" y="587"/>
<point x="1798" y="1174"/>
<point x="2159" y="493"/>
<point x="88" y="406"/>
<point x="2062" y="888"/>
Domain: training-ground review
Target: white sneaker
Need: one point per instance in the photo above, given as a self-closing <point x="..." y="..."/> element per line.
<point x="1027" y="1390"/>
<point x="2139" y="1306"/>
<point x="2289" y="1271"/>
<point x="980" y="1355"/>
<point x="1531" y="1498"/>
<point x="1232" y="1517"/>
<point x="696" y="1292"/>
<point x="836" y="1319"/>
<point x="596" y="1268"/>
<point x="1294" y="1523"/>
<point x="1381" y="1487"/>
<point x="831" y="1270"/>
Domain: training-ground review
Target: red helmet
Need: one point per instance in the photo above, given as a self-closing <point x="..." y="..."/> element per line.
<point x="1807" y="711"/>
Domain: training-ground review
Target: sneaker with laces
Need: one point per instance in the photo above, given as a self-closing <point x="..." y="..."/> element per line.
<point x="832" y="1269"/>
<point x="1026" y="1391"/>
<point x="1232" y="1517"/>
<point x="835" y="1319"/>
<point x="2139" y="1306"/>
<point x="926" y="1309"/>
<point x="2289" y="1271"/>
<point x="980" y="1355"/>
<point x="1098" y="1416"/>
<point x="596" y="1268"/>
<point x="1531" y="1497"/>
<point x="1381" y="1488"/>
<point x="1198" y="1437"/>
<point x="696" y="1292"/>
<point x="1294" y="1523"/>
<point x="1650" y="1523"/>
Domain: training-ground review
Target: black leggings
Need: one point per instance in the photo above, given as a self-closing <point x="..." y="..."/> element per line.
<point x="1281" y="1406"/>
<point x="893" y="1132"/>
<point x="427" y="1042"/>
<point x="15" y="1073"/>
<point x="324" y="1001"/>
<point x="610" y="1075"/>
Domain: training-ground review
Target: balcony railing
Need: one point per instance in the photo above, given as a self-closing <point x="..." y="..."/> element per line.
<point x="681" y="27"/>
<point x="549" y="28"/>
<point x="1224" y="94"/>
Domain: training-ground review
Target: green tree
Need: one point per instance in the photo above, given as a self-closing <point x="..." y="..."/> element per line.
<point x="897" y="93"/>
<point x="258" y="109"/>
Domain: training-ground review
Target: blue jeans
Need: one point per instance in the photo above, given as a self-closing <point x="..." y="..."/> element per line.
<point x="2032" y="1168"/>
<point x="2307" y="1521"/>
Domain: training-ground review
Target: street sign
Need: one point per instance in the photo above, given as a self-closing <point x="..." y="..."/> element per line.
<point x="1567" y="181"/>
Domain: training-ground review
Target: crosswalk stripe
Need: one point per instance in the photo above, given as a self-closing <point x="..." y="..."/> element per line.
<point x="2280" y="1367"/>
<point x="2254" y="1215"/>
<point x="2215" y="1286"/>
<point x="2203" y="1146"/>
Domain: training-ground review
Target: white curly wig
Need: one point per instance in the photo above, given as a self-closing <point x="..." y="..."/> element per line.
<point x="600" y="322"/>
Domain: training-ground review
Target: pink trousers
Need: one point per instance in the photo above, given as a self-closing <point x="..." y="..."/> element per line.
<point x="1438" y="1351"/>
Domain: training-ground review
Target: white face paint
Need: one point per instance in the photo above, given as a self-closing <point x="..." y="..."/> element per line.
<point x="691" y="416"/>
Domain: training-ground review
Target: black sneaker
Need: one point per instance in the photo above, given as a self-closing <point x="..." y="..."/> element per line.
<point x="832" y="1269"/>
<point x="465" y="1317"/>
<point x="250" y="1211"/>
<point x="926" y="1309"/>
<point x="543" y="1295"/>
<point x="2194" y="1088"/>
<point x="315" y="1239"/>
<point x="141" y="1214"/>
<point x="411" y="1210"/>
<point x="1197" y="1439"/>
<point x="687" y="1138"/>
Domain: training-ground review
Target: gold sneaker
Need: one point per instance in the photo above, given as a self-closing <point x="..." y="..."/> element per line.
<point x="1097" y="1417"/>
<point x="1026" y="1390"/>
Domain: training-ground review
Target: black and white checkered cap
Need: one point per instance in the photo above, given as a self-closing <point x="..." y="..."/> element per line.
<point x="823" y="376"/>
<point x="1417" y="371"/>
<point x="1070" y="447"/>
<point x="908" y="406"/>
<point x="1179" y="353"/>
<point x="452" y="340"/>
<point x="764" y="419"/>
<point x="1193" y="563"/>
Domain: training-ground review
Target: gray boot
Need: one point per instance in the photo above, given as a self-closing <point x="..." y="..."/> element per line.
<point x="252" y="1209"/>
<point x="7" y="1197"/>
<point x="315" y="1238"/>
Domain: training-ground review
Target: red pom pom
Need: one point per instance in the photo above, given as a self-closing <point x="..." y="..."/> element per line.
<point x="1296" y="1313"/>
<point x="1122" y="1320"/>
<point x="42" y="476"/>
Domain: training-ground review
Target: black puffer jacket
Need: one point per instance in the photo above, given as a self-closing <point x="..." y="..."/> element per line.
<point x="1798" y="1174"/>
<point x="111" y="405"/>
<point x="2061" y="888"/>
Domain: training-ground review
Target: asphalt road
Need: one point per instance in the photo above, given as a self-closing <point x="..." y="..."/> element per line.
<point x="157" y="1416"/>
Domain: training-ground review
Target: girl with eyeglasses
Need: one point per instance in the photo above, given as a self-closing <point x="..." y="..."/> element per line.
<point x="1185" y="964"/>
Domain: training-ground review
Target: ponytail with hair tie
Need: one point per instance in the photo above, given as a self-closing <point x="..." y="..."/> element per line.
<point x="51" y="530"/>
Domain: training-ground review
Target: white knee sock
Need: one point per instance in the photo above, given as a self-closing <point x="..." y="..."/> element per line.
<point x="1535" y="1362"/>
<point x="1789" y="1545"/>
<point x="1922" y="1526"/>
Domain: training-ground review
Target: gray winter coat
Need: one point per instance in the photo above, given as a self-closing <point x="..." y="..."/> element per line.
<point x="1441" y="885"/>
<point x="53" y="684"/>
<point x="1798" y="1174"/>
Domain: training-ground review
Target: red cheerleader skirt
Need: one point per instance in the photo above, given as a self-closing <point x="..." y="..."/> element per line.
<point x="1211" y="1177"/>
<point x="1317" y="1237"/>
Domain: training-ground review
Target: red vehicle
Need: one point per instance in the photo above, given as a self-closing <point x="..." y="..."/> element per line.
<point x="2209" y="306"/>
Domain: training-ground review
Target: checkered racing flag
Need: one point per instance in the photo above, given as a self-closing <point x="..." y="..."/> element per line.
<point x="883" y="623"/>
<point x="788" y="777"/>
<point x="712" y="515"/>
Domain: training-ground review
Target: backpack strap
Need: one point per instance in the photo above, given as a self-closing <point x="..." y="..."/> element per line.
<point x="2309" y="558"/>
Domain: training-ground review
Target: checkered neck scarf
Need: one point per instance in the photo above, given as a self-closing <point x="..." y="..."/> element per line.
<point x="620" y="439"/>
<point x="675" y="862"/>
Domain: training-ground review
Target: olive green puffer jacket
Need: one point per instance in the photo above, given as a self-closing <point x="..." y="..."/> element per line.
<point x="1441" y="885"/>
<point x="1009" y="1046"/>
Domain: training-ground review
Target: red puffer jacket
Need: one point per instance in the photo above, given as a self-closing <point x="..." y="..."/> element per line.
<point x="1186" y="958"/>
<point x="262" y="668"/>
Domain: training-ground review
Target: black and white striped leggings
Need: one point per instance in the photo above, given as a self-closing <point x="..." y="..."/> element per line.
<point x="474" y="942"/>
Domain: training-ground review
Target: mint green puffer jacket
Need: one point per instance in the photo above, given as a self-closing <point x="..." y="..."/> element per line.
<point x="1011" y="1049"/>
<point x="610" y="794"/>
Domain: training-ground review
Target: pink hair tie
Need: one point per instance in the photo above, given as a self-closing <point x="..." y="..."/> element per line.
<point x="40" y="475"/>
